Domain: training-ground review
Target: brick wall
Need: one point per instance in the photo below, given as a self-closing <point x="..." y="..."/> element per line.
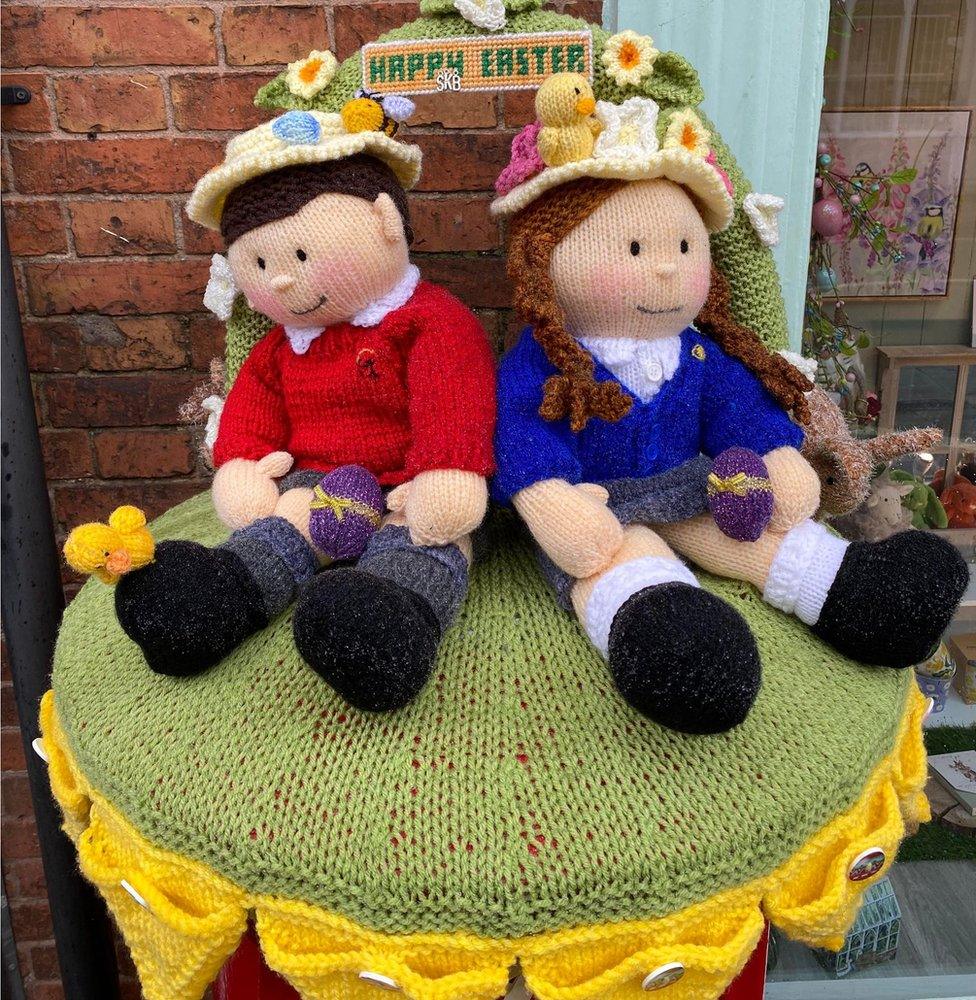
<point x="132" y="102"/>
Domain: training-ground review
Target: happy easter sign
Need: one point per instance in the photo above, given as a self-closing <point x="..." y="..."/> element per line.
<point x="483" y="62"/>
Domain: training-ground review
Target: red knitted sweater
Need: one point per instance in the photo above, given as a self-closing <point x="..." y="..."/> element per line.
<point x="414" y="392"/>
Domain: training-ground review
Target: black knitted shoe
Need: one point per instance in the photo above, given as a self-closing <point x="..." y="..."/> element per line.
<point x="684" y="658"/>
<point x="189" y="608"/>
<point x="891" y="600"/>
<point x="373" y="641"/>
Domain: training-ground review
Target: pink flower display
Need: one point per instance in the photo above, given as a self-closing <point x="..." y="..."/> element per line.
<point x="525" y="162"/>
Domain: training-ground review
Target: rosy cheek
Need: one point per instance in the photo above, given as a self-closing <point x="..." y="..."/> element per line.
<point x="697" y="281"/>
<point x="610" y="282"/>
<point x="261" y="299"/>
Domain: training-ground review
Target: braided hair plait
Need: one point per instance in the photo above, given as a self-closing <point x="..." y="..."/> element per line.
<point x="574" y="392"/>
<point x="785" y="383"/>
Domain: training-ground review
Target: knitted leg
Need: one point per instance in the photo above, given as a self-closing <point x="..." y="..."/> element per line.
<point x="193" y="605"/>
<point x="677" y="653"/>
<point x="882" y="602"/>
<point x="372" y="632"/>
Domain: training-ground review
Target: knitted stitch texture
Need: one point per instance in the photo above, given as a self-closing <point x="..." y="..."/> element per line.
<point x="192" y="917"/>
<point x="387" y="406"/>
<point x="518" y="794"/>
<point x="757" y="300"/>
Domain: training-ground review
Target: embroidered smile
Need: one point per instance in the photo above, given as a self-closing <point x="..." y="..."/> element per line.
<point x="304" y="312"/>
<point x="657" y="312"/>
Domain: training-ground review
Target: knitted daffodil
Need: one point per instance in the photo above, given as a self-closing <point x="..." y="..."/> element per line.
<point x="629" y="57"/>
<point x="686" y="131"/>
<point x="306" y="77"/>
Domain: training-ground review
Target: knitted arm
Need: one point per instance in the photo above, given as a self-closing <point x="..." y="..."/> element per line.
<point x="529" y="449"/>
<point x="737" y="410"/>
<point x="253" y="422"/>
<point x="451" y="385"/>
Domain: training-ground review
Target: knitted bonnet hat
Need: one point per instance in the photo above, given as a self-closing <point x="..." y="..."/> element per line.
<point x="364" y="125"/>
<point x="575" y="136"/>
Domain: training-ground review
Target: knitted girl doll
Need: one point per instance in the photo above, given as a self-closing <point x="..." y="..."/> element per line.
<point x="368" y="365"/>
<point x="631" y="366"/>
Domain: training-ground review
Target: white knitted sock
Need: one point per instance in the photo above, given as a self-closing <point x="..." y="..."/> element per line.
<point x="803" y="570"/>
<point x="620" y="583"/>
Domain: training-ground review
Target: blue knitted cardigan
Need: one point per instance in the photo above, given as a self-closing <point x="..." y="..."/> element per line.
<point x="712" y="402"/>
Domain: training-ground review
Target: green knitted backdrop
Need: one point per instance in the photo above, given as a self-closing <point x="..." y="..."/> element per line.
<point x="756" y="296"/>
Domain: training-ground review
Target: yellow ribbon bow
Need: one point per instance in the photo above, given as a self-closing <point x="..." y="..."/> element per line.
<point x="340" y="505"/>
<point x="738" y="483"/>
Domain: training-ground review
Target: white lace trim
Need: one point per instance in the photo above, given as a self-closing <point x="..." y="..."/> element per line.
<point x="643" y="366"/>
<point x="398" y="296"/>
<point x="301" y="337"/>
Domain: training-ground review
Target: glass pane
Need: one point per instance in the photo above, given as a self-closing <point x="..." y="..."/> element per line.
<point x="926" y="396"/>
<point x="969" y="409"/>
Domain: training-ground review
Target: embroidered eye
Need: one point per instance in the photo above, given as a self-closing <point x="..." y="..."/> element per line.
<point x="576" y="89"/>
<point x="635" y="248"/>
<point x="301" y="255"/>
<point x="684" y="246"/>
<point x="261" y="263"/>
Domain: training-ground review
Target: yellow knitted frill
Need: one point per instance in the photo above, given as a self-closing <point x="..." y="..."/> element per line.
<point x="181" y="920"/>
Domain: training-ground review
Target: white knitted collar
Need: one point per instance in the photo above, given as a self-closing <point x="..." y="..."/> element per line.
<point x="301" y="337"/>
<point x="397" y="296"/>
<point x="643" y="366"/>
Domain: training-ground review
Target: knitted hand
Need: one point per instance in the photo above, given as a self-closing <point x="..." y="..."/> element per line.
<point x="572" y="524"/>
<point x="441" y="505"/>
<point x="795" y="485"/>
<point x="244" y="491"/>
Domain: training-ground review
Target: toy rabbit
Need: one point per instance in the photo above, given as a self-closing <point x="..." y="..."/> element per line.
<point x="632" y="365"/>
<point x="367" y="366"/>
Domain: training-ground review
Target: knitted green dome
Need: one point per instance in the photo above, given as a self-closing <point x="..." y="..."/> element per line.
<point x="518" y="794"/>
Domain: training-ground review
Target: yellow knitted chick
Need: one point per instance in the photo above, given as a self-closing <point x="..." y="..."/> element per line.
<point x="565" y="105"/>
<point x="111" y="550"/>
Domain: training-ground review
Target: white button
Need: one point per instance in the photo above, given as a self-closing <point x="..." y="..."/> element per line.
<point x="38" y="745"/>
<point x="867" y="864"/>
<point x="654" y="370"/>
<point x="134" y="894"/>
<point x="663" y="975"/>
<point x="383" y="982"/>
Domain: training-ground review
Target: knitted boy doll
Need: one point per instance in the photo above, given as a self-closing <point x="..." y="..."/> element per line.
<point x="367" y="365"/>
<point x="612" y="393"/>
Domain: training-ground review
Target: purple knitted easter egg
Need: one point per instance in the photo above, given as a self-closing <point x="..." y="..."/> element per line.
<point x="739" y="495"/>
<point x="346" y="509"/>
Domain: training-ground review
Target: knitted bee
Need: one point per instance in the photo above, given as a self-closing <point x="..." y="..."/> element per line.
<point x="368" y="112"/>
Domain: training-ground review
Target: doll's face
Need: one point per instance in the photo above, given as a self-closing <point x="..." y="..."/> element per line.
<point x="323" y="264"/>
<point x="637" y="267"/>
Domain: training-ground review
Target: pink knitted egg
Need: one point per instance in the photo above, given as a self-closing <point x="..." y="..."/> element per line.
<point x="739" y="494"/>
<point x="346" y="508"/>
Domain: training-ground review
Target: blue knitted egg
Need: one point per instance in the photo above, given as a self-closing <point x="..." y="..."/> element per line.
<point x="297" y="128"/>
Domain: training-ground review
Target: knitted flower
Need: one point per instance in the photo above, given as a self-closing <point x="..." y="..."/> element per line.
<point x="686" y="131"/>
<point x="763" y="211"/>
<point x="487" y="14"/>
<point x="629" y="129"/>
<point x="306" y="77"/>
<point x="525" y="162"/>
<point x="629" y="57"/>
<point x="712" y="160"/>
<point x="221" y="290"/>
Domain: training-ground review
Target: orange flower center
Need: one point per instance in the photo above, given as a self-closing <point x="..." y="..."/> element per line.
<point x="629" y="55"/>
<point x="689" y="137"/>
<point x="307" y="73"/>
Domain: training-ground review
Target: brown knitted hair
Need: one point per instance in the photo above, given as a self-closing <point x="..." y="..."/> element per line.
<point x="574" y="392"/>
<point x="281" y="193"/>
